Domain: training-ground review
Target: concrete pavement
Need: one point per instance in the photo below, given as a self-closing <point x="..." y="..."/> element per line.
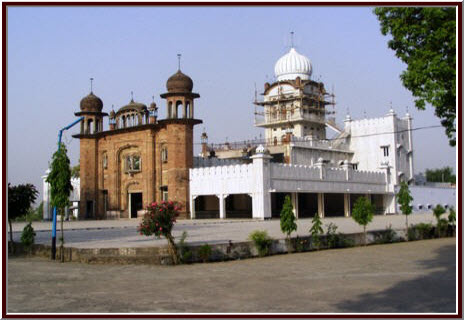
<point x="123" y="233"/>
<point x="417" y="277"/>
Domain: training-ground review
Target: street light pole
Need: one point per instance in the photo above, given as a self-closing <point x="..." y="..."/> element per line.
<point x="60" y="134"/>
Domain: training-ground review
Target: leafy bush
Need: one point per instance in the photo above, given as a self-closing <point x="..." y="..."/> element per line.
<point x="442" y="224"/>
<point x="204" y="252"/>
<point x="27" y="236"/>
<point x="159" y="221"/>
<point x="442" y="228"/>
<point x="452" y="216"/>
<point x="316" y="231"/>
<point x="344" y="241"/>
<point x="185" y="254"/>
<point x="262" y="241"/>
<point x="412" y="234"/>
<point x="452" y="221"/>
<point x="388" y="236"/>
<point x="332" y="236"/>
<point x="424" y="230"/>
<point x="299" y="244"/>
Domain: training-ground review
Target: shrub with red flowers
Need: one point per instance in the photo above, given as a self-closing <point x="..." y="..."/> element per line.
<point x="159" y="221"/>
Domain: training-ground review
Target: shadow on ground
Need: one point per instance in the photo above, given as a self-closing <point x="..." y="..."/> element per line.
<point x="433" y="293"/>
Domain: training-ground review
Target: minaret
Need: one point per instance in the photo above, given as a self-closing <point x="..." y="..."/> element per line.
<point x="91" y="108"/>
<point x="176" y="147"/>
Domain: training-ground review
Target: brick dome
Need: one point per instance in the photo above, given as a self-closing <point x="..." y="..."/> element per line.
<point x="179" y="82"/>
<point x="91" y="103"/>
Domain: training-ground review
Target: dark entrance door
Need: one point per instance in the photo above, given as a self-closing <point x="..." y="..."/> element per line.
<point x="89" y="210"/>
<point x="136" y="204"/>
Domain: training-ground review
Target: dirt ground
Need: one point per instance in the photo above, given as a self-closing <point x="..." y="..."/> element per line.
<point x="404" y="277"/>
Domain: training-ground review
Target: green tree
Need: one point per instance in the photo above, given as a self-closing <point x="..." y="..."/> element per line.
<point x="76" y="171"/>
<point x="60" y="187"/>
<point x="438" y="211"/>
<point x="287" y="218"/>
<point x="424" y="38"/>
<point x="452" y="217"/>
<point x="20" y="199"/>
<point x="404" y="200"/>
<point x="316" y="231"/>
<point x="440" y="175"/>
<point x="363" y="212"/>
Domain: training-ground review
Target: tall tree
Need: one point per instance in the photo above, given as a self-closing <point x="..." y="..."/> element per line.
<point x="363" y="213"/>
<point x="60" y="186"/>
<point x="316" y="231"/>
<point x="287" y="218"/>
<point x="20" y="199"/>
<point x="404" y="200"/>
<point x="424" y="38"/>
<point x="440" y="175"/>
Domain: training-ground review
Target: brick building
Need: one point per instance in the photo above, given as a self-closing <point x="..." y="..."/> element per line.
<point x="140" y="159"/>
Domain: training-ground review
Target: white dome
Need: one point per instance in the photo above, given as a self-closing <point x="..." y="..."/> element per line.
<point x="293" y="65"/>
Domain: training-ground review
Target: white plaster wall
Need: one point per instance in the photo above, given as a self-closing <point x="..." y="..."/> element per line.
<point x="432" y="196"/>
<point x="283" y="89"/>
<point x="233" y="179"/>
<point x="367" y="137"/>
<point x="299" y="178"/>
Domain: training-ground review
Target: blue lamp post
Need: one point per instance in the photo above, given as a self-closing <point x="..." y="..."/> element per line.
<point x="60" y="134"/>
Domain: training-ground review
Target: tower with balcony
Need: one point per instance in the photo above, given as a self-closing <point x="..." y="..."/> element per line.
<point x="294" y="104"/>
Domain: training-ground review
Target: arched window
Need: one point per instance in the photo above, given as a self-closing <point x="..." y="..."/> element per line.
<point x="176" y="111"/>
<point x="89" y="126"/>
<point x="133" y="163"/>
<point x="170" y="113"/>
<point x="188" y="110"/>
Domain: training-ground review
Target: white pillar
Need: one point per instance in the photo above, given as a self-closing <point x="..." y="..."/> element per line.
<point x="222" y="206"/>
<point x="410" y="150"/>
<point x="46" y="197"/>
<point x="320" y="205"/>
<point x="261" y="195"/>
<point x="347" y="204"/>
<point x="192" y="207"/>
<point x="295" y="204"/>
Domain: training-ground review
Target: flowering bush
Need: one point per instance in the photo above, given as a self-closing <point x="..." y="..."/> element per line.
<point x="159" y="221"/>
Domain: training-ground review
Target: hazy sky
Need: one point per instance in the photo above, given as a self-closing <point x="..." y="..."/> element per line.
<point x="52" y="53"/>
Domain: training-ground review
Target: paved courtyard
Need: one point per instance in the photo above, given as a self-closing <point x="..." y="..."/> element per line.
<point x="123" y="233"/>
<point x="414" y="277"/>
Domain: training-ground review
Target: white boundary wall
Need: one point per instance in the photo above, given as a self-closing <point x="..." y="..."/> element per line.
<point x="261" y="177"/>
<point x="430" y="197"/>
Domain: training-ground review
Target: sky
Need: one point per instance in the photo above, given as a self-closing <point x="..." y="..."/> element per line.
<point x="227" y="51"/>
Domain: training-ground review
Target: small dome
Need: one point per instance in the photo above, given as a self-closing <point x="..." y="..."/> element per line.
<point x="153" y="106"/>
<point x="293" y="65"/>
<point x="179" y="82"/>
<point x="91" y="103"/>
<point x="133" y="106"/>
<point x="112" y="114"/>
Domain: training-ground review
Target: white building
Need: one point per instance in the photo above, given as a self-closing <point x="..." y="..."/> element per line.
<point x="368" y="157"/>
<point x="73" y="198"/>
